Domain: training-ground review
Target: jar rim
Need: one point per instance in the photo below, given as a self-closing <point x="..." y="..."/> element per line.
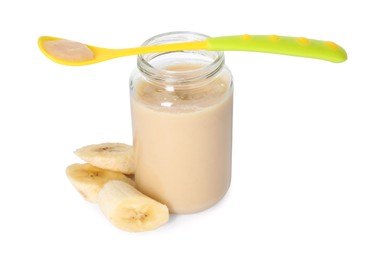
<point x="214" y="60"/>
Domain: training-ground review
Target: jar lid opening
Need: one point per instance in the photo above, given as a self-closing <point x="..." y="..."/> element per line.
<point x="180" y="66"/>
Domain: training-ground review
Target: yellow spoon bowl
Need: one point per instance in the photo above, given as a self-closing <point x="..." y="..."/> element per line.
<point x="72" y="53"/>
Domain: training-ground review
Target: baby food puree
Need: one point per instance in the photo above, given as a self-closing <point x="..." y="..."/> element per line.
<point x="181" y="106"/>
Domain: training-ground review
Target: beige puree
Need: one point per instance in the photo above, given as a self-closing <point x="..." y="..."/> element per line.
<point x="68" y="50"/>
<point x="183" y="147"/>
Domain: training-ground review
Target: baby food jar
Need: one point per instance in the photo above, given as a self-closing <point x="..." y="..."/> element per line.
<point x="181" y="105"/>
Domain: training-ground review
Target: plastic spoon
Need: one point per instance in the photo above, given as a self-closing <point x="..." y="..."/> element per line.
<point x="293" y="46"/>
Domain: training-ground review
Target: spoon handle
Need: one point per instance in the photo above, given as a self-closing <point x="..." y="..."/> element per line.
<point x="293" y="46"/>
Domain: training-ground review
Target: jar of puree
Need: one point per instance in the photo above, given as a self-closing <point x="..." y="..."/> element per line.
<point x="181" y="104"/>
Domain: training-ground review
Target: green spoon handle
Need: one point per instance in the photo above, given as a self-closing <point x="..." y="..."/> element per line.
<point x="293" y="46"/>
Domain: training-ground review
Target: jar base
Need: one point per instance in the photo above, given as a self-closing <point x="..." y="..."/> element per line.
<point x="181" y="211"/>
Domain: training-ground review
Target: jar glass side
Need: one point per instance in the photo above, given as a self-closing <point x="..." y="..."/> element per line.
<point x="181" y="104"/>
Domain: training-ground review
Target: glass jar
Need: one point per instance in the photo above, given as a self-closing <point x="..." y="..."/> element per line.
<point x="181" y="105"/>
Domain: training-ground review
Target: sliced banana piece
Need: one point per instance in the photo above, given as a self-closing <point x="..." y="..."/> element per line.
<point x="129" y="209"/>
<point x="88" y="179"/>
<point x="111" y="156"/>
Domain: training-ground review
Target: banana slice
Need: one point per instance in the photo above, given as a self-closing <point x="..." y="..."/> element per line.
<point x="129" y="209"/>
<point x="111" y="156"/>
<point x="88" y="179"/>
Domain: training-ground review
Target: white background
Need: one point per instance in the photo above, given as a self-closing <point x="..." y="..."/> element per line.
<point x="308" y="155"/>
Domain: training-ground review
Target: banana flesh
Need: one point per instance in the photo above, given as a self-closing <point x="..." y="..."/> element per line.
<point x="129" y="209"/>
<point x="117" y="157"/>
<point x="105" y="180"/>
<point x="88" y="179"/>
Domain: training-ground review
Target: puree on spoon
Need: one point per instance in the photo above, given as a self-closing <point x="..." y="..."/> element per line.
<point x="68" y="50"/>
